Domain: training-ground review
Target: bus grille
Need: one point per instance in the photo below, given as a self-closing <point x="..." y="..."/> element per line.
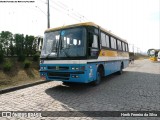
<point x="58" y="68"/>
<point x="60" y="76"/>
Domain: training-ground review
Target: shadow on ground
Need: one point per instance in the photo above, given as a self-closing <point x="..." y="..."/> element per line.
<point x="129" y="91"/>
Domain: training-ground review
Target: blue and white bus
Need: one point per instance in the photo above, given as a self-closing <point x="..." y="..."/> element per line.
<point x="82" y="53"/>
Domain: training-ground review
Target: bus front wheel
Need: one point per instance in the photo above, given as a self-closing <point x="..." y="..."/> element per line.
<point x="98" y="77"/>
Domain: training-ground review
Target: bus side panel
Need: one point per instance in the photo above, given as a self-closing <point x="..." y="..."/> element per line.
<point x="108" y="68"/>
<point x="112" y="67"/>
<point x="91" y="71"/>
<point x="126" y="63"/>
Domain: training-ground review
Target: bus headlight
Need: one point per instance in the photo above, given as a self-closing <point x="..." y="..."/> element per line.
<point x="78" y="68"/>
<point x="75" y="76"/>
<point x="43" y="68"/>
<point x="73" y="68"/>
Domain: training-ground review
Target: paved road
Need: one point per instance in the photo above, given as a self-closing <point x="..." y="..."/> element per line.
<point x="138" y="88"/>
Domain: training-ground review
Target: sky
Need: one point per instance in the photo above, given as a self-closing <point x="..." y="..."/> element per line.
<point x="137" y="21"/>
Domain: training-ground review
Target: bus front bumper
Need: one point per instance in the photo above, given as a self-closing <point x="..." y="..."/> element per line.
<point x="78" y="76"/>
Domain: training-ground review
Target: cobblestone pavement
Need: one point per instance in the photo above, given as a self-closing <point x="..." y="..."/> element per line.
<point x="137" y="89"/>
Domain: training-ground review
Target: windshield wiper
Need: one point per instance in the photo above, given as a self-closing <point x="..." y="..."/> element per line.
<point x="52" y="54"/>
<point x="48" y="55"/>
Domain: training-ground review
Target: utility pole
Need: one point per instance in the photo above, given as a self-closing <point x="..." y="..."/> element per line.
<point x="48" y="15"/>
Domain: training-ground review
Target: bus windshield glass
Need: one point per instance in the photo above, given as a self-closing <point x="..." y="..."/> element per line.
<point x="152" y="53"/>
<point x="64" y="43"/>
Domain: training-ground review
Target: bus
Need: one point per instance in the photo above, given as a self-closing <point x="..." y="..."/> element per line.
<point x="154" y="54"/>
<point x="82" y="53"/>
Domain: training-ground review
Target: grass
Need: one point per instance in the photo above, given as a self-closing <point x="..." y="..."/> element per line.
<point x="138" y="56"/>
<point x="141" y="57"/>
<point x="18" y="75"/>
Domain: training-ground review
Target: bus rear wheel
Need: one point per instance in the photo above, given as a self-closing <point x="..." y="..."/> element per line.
<point x="121" y="69"/>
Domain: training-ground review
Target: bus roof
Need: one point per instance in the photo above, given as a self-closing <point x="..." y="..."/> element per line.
<point x="73" y="25"/>
<point x="84" y="24"/>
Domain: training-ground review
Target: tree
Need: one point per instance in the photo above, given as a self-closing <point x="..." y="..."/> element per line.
<point x="19" y="44"/>
<point x="34" y="45"/>
<point x="6" y="38"/>
<point x="29" y="41"/>
<point x="12" y="48"/>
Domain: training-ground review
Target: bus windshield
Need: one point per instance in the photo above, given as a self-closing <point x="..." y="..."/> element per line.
<point x="152" y="53"/>
<point x="64" y="43"/>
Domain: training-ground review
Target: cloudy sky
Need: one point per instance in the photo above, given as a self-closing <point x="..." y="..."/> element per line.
<point x="137" y="21"/>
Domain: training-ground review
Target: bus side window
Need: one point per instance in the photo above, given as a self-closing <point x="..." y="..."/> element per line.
<point x="119" y="44"/>
<point x="123" y="46"/>
<point x="107" y="41"/>
<point x="95" y="41"/>
<point x="126" y="47"/>
<point x="93" y="45"/>
<point x="103" y="40"/>
<point x="113" y="43"/>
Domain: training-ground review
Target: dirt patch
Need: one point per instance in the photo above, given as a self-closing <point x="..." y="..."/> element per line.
<point x="18" y="75"/>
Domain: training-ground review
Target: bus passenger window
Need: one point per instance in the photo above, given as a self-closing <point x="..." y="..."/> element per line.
<point x="93" y="45"/>
<point x="123" y="46"/>
<point x="103" y="40"/>
<point x="119" y="45"/>
<point x="95" y="41"/>
<point x="113" y="43"/>
<point x="126" y="47"/>
<point x="107" y="41"/>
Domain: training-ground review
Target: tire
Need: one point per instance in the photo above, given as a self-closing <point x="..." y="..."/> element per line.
<point x="121" y="70"/>
<point x="98" y="78"/>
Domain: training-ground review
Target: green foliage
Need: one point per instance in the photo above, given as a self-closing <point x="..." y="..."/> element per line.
<point x="7" y="65"/>
<point x="18" y="45"/>
<point x="1" y="57"/>
<point x="27" y="63"/>
<point x="34" y="46"/>
<point x="36" y="57"/>
<point x="29" y="45"/>
<point x="6" y="38"/>
<point x="21" y="57"/>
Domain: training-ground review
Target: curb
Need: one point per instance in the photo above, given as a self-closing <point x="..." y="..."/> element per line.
<point x="21" y="87"/>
